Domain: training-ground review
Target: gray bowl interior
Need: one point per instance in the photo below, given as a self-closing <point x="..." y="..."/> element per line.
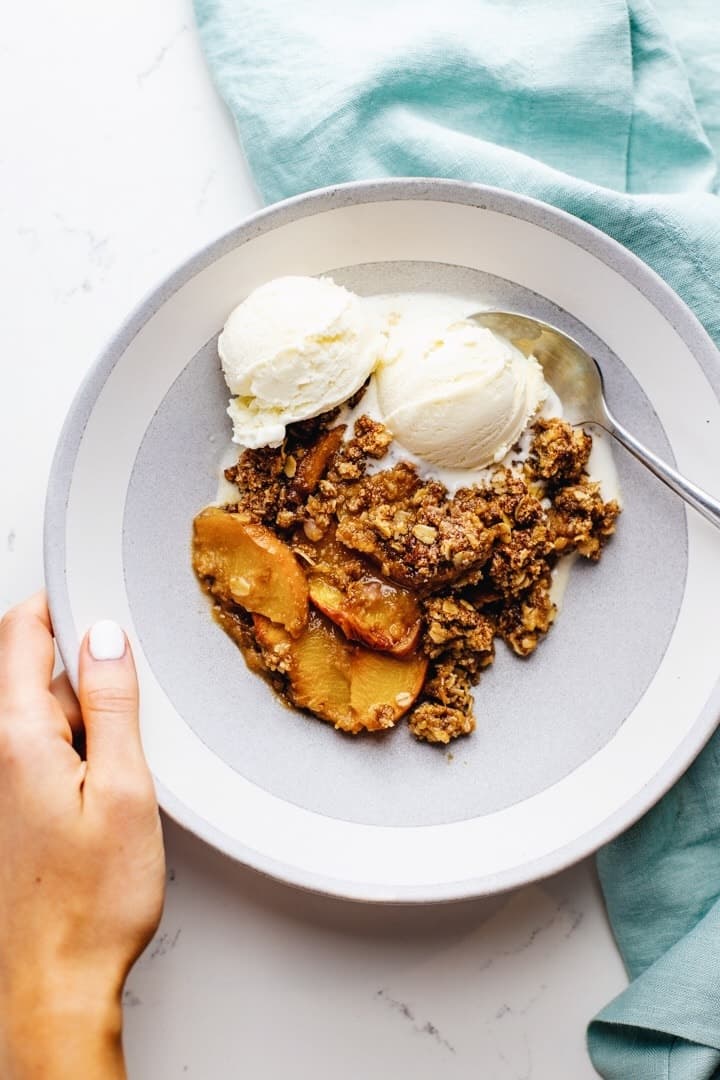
<point x="538" y="719"/>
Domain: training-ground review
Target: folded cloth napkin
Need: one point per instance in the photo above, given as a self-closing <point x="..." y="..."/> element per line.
<point x="610" y="110"/>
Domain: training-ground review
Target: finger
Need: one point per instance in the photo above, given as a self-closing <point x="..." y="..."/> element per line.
<point x="36" y="605"/>
<point x="64" y="694"/>
<point x="108" y="694"/>
<point x="27" y="649"/>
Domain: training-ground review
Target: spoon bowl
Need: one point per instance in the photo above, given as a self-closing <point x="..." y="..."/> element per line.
<point x="578" y="381"/>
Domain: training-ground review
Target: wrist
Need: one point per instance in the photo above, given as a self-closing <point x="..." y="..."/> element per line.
<point x="60" y="1030"/>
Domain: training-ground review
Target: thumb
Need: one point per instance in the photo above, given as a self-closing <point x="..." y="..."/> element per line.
<point x="108" y="696"/>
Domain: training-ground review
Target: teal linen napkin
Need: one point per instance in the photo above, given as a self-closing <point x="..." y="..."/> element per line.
<point x="611" y="111"/>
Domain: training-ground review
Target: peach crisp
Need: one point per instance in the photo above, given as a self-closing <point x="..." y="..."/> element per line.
<point x="365" y="593"/>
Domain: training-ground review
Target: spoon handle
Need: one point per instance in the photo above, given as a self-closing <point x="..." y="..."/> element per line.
<point x="705" y="504"/>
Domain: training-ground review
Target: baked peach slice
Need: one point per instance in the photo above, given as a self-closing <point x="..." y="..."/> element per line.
<point x="318" y="665"/>
<point x="269" y="634"/>
<point x="320" y="672"/>
<point x="313" y="466"/>
<point x="348" y="685"/>
<point x="371" y="611"/>
<point x="246" y="564"/>
<point x="383" y="687"/>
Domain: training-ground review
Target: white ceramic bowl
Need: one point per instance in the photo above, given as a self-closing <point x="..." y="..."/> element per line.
<point x="572" y="745"/>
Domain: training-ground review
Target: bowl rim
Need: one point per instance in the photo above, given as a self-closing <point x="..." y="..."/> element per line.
<point x="321" y="200"/>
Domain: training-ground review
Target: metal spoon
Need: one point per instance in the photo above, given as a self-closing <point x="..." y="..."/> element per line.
<point x="578" y="381"/>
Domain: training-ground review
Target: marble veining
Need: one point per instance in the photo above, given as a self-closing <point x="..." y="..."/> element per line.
<point x="426" y="1028"/>
<point x="161" y="54"/>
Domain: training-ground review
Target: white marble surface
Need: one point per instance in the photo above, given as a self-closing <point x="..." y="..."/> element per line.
<point x="116" y="161"/>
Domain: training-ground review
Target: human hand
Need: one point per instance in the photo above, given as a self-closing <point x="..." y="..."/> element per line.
<point x="81" y="854"/>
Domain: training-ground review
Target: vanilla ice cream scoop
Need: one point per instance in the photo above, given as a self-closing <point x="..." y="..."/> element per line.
<point x="463" y="401"/>
<point x="296" y="347"/>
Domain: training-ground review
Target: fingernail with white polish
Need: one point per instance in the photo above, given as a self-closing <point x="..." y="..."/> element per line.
<point x="106" y="641"/>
